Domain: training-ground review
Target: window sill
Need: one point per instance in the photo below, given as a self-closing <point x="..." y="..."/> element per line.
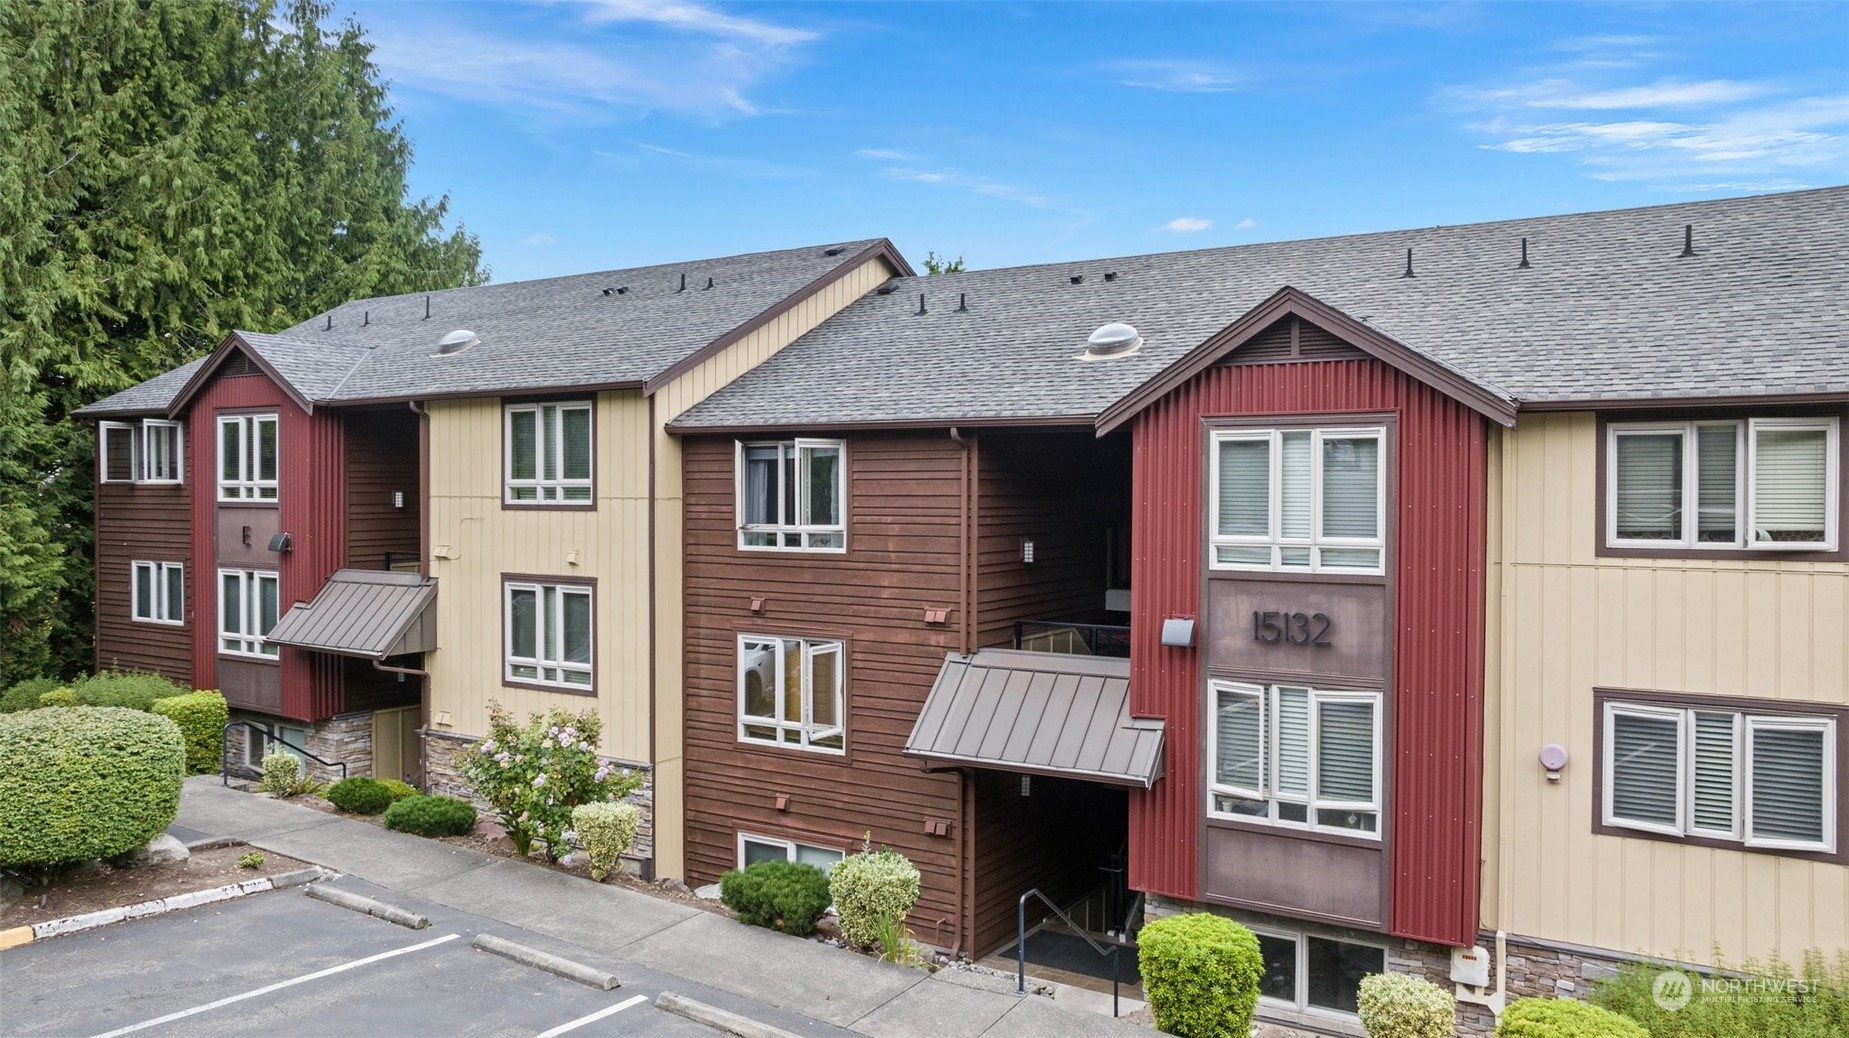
<point x="1373" y="840"/>
<point x="540" y="686"/>
<point x="249" y="657"/>
<point x="1838" y="857"/>
<point x="764" y="746"/>
<point x="842" y="550"/>
<point x="250" y="502"/>
<point x="158" y="623"/>
<point x="548" y="506"/>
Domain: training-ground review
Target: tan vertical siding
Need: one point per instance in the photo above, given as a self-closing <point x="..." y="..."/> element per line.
<point x="1570" y="621"/>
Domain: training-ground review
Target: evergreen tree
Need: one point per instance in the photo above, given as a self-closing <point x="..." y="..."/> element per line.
<point x="171" y="170"/>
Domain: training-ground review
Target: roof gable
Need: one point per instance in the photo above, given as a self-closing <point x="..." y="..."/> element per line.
<point x="235" y="356"/>
<point x="1273" y="332"/>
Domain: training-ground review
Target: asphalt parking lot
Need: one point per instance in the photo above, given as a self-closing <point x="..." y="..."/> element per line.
<point x="282" y="964"/>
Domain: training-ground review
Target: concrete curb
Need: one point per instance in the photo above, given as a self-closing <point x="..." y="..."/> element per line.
<point x="542" y="961"/>
<point x="19" y="935"/>
<point x="718" y="1019"/>
<point x="212" y="843"/>
<point x="366" y="906"/>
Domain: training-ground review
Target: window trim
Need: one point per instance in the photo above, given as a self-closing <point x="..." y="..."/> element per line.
<point x="1301" y="939"/>
<point x="804" y="530"/>
<point x="839" y="648"/>
<point x="1606" y="545"/>
<point x="251" y="613"/>
<point x="576" y="585"/>
<point x="789" y="845"/>
<point x="508" y="408"/>
<point x="249" y="488"/>
<point x="141" y="451"/>
<point x="1836" y="751"/>
<point x="1267" y="740"/>
<point x="1272" y="432"/>
<point x="166" y="610"/>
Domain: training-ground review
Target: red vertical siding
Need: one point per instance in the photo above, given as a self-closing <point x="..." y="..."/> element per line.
<point x="1436" y="743"/>
<point x="312" y="497"/>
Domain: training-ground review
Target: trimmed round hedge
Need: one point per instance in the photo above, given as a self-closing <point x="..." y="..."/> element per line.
<point x="360" y="795"/>
<point x="1201" y="973"/>
<point x="78" y="783"/>
<point x="1564" y="1018"/>
<point x="431" y="816"/>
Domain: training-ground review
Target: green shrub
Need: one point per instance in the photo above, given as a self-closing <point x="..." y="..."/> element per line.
<point x="431" y="816"/>
<point x="871" y="889"/>
<point x="1400" y="1005"/>
<point x="133" y="691"/>
<point x="282" y="773"/>
<point x="1753" y="998"/>
<point x="250" y="860"/>
<point x="25" y="695"/>
<point x="83" y="783"/>
<point x="532" y="775"/>
<point x="1564" y="1018"/>
<point x="359" y="795"/>
<point x="398" y="790"/>
<point x="58" y="697"/>
<point x="605" y="831"/>
<point x="1200" y="973"/>
<point x="781" y="895"/>
<point x="201" y="716"/>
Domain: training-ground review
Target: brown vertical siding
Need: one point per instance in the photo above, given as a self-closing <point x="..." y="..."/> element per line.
<point x="382" y="460"/>
<point x="143" y="524"/>
<point x="1435" y="746"/>
<point x="1065" y="491"/>
<point x="903" y="552"/>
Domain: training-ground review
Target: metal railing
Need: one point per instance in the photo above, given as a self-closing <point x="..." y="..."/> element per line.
<point x="224" y="749"/>
<point x="1020" y="945"/>
<point x="1072" y="638"/>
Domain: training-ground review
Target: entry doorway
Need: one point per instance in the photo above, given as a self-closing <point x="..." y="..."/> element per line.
<point x="397" y="749"/>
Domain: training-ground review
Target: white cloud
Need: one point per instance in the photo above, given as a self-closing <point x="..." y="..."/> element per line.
<point x="539" y="239"/>
<point x="884" y="155"/>
<point x="1187" y="224"/>
<point x="754" y="169"/>
<point x="1184" y="77"/>
<point x="1564" y="94"/>
<point x="1246" y="224"/>
<point x="696" y="18"/>
<point x="970" y="182"/>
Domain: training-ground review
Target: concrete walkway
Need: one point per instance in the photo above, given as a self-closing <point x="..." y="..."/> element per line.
<point x="817" y="981"/>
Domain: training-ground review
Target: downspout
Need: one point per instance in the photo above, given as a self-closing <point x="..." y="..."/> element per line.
<point x="965" y="934"/>
<point x="413" y="671"/>
<point x="654" y="799"/>
<point x="423" y="570"/>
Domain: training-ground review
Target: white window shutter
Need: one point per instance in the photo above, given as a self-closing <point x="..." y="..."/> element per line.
<point x="1293" y="755"/>
<point x="1645" y="769"/>
<point x="1789" y="795"/>
<point x="1713" y="790"/>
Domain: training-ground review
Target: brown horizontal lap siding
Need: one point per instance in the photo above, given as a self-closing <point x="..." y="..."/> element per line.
<point x="1052" y="840"/>
<point x="903" y="515"/>
<point x="142" y="523"/>
<point x="381" y="460"/>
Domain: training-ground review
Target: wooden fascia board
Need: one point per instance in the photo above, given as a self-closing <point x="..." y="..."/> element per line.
<point x="900" y="425"/>
<point x="882" y="249"/>
<point x="1288" y="301"/>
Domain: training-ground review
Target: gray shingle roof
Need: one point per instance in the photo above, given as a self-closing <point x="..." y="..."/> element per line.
<point x="1608" y="310"/>
<point x="150" y="397"/>
<point x="535" y="335"/>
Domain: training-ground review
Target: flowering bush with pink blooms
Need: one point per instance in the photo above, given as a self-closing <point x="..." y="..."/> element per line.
<point x="532" y="775"/>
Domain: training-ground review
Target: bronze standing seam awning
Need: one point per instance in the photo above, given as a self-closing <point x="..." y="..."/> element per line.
<point x="362" y="612"/>
<point x="1038" y="713"/>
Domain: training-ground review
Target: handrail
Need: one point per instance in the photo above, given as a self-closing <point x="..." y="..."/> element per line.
<point x="1020" y="945"/>
<point x="224" y="750"/>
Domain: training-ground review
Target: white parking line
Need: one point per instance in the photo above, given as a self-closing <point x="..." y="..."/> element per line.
<point x="278" y="986"/>
<point x="594" y="1017"/>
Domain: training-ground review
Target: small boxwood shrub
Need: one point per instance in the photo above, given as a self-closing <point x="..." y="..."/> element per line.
<point x="1754" y="997"/>
<point x="250" y="860"/>
<point x="605" y="831"/>
<point x="431" y="816"/>
<point x="201" y="716"/>
<point x="133" y="691"/>
<point x="359" y="795"/>
<point x="1200" y="973"/>
<point x="1400" y="1005"/>
<point x="282" y="773"/>
<point x="25" y="695"/>
<point x="781" y="895"/>
<point x="1564" y="1018"/>
<point x="58" y="697"/>
<point x="84" y="783"/>
<point x="398" y="790"/>
<point x="871" y="890"/>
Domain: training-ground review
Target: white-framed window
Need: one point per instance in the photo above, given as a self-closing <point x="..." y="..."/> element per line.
<point x="1768" y="484"/>
<point x="246" y="612"/>
<point x="149" y="452"/>
<point x="1762" y="780"/>
<point x="549" y="453"/>
<point x="1295" y="756"/>
<point x="792" y="495"/>
<point x="790" y="692"/>
<point x="1310" y="973"/>
<point x="1298" y="500"/>
<point x="247" y="457"/>
<point x="159" y="592"/>
<point x="753" y="849"/>
<point x="551" y="634"/>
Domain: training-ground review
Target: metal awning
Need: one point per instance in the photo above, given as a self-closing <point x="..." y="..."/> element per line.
<point x="363" y="612"/>
<point x="1038" y="713"/>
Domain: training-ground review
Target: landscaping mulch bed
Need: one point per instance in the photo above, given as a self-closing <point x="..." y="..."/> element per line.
<point x="99" y="885"/>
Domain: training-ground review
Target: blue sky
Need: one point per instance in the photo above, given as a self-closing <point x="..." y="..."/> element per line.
<point x="576" y="136"/>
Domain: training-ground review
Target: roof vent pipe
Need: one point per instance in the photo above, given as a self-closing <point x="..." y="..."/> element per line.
<point x="1523" y="265"/>
<point x="1688" y="240"/>
<point x="1409" y="272"/>
<point x="683" y="287"/>
<point x="921" y="307"/>
<point x="962" y="302"/>
<point x="426" y="308"/>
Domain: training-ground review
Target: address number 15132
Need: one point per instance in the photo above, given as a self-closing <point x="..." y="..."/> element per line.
<point x="1282" y="628"/>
